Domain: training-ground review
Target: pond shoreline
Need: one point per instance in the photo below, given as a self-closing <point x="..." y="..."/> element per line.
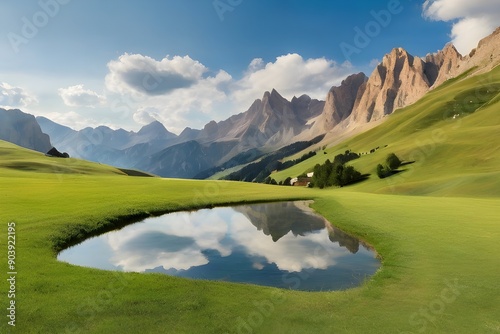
<point x="283" y="244"/>
<point x="72" y="234"/>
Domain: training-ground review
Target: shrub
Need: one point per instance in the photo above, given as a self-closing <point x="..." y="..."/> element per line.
<point x="393" y="162"/>
<point x="381" y="172"/>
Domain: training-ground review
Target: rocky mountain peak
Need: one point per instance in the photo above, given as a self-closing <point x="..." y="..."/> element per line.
<point x="211" y="128"/>
<point x="155" y="130"/>
<point x="450" y="49"/>
<point x="397" y="81"/>
<point x="304" y="98"/>
<point x="441" y="65"/>
<point x="154" y="126"/>
<point x="486" y="56"/>
<point x="489" y="39"/>
<point x="274" y="99"/>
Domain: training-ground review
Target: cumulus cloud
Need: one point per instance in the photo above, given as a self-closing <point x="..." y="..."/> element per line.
<point x="291" y="75"/>
<point x="15" y="97"/>
<point x="78" y="96"/>
<point x="138" y="74"/>
<point x="193" y="107"/>
<point x="256" y="65"/>
<point x="472" y="20"/>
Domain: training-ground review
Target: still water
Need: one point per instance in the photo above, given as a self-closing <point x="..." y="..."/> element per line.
<point x="283" y="245"/>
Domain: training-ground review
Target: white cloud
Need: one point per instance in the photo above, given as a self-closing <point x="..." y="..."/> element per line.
<point x="78" y="96"/>
<point x="256" y="65"/>
<point x="15" y="97"/>
<point x="178" y="91"/>
<point x="291" y="75"/>
<point x="145" y="116"/>
<point x="472" y="20"/>
<point x="193" y="107"/>
<point x="138" y="74"/>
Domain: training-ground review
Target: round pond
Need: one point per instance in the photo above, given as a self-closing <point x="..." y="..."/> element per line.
<point x="284" y="245"/>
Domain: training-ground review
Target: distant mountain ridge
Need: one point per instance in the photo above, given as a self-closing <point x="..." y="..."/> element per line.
<point x="106" y="145"/>
<point x="270" y="123"/>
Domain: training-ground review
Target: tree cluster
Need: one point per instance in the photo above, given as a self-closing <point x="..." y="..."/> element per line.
<point x="392" y="163"/>
<point x="345" y="158"/>
<point x="273" y="182"/>
<point x="334" y="174"/>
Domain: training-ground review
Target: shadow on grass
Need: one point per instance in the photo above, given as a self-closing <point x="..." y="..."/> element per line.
<point x="396" y="171"/>
<point x="363" y="178"/>
<point x="138" y="173"/>
<point x="391" y="173"/>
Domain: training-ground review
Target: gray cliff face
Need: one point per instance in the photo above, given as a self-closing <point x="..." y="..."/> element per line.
<point x="340" y="103"/>
<point x="442" y="65"/>
<point x="23" y="130"/>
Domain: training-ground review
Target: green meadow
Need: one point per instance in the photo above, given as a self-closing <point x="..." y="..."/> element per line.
<point x="435" y="227"/>
<point x="453" y="156"/>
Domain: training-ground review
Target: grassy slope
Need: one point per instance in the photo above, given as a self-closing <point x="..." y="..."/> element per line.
<point x="454" y="157"/>
<point x="426" y="244"/>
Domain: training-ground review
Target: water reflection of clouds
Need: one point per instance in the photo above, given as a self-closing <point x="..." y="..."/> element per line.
<point x="178" y="241"/>
<point x="142" y="246"/>
<point x="290" y="253"/>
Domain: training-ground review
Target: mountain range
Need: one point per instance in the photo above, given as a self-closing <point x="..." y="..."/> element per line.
<point x="270" y="123"/>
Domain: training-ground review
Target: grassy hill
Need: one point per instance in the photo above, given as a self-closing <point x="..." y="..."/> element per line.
<point x="453" y="156"/>
<point x="439" y="254"/>
<point x="14" y="159"/>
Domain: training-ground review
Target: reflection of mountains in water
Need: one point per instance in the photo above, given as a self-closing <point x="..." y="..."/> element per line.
<point x="343" y="239"/>
<point x="278" y="219"/>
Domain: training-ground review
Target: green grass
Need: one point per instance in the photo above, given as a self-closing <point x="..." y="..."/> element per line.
<point x="424" y="242"/>
<point x="439" y="251"/>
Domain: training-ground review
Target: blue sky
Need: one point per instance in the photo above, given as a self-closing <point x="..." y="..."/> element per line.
<point x="186" y="62"/>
